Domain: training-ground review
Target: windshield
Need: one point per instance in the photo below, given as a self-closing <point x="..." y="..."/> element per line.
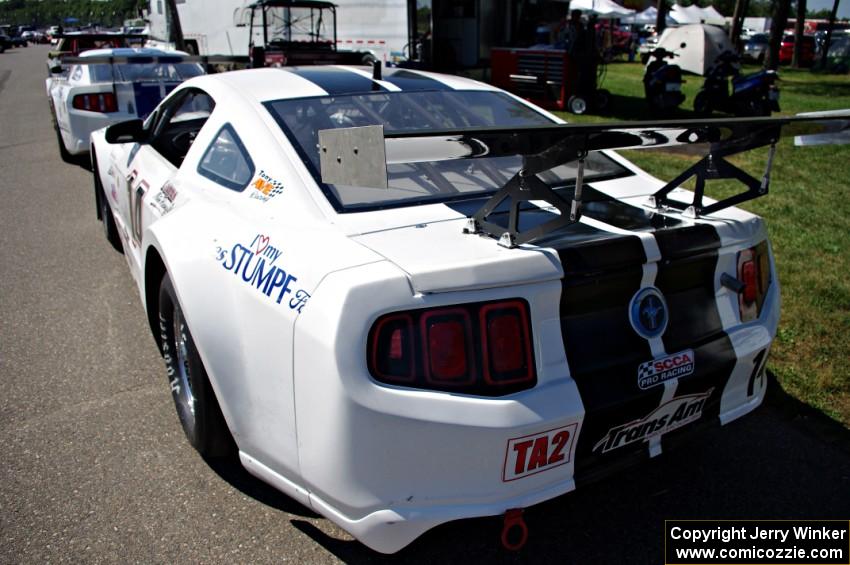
<point x="148" y="72"/>
<point x="296" y="24"/>
<point x="422" y="182"/>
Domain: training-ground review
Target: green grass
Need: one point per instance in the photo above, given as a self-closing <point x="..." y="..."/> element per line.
<point x="808" y="217"/>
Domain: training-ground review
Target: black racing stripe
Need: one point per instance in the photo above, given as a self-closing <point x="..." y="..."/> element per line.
<point x="688" y="240"/>
<point x="604" y="208"/>
<point x="686" y="278"/>
<point x="411" y="81"/>
<point x="602" y="274"/>
<point x="337" y="81"/>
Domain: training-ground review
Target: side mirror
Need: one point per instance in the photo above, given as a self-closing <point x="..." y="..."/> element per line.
<point x="126" y="132"/>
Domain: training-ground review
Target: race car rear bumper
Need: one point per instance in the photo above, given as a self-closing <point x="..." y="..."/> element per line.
<point x="388" y="463"/>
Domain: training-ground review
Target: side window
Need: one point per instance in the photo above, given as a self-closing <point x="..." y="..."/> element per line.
<point x="226" y="161"/>
<point x="178" y="123"/>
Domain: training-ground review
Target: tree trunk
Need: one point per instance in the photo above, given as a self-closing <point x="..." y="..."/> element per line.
<point x="661" y="18"/>
<point x="828" y="39"/>
<point x="777" y="29"/>
<point x="799" y="27"/>
<point x="738" y="23"/>
<point x="176" y="35"/>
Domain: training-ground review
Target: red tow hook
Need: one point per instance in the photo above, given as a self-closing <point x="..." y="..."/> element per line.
<point x="514" y="530"/>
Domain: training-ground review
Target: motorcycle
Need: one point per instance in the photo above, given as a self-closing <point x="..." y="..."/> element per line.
<point x="662" y="81"/>
<point x="751" y="95"/>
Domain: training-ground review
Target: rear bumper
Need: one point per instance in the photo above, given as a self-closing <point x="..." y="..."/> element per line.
<point x="76" y="131"/>
<point x="388" y="464"/>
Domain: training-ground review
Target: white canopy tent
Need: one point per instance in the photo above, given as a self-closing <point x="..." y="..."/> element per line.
<point x="703" y="43"/>
<point x="604" y="9"/>
<point x="648" y="16"/>
<point x="695" y="15"/>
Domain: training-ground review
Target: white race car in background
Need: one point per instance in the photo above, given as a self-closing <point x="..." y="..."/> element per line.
<point x="107" y="86"/>
<point x="372" y="352"/>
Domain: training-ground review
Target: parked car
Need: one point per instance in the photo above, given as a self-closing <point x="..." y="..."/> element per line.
<point x="75" y="43"/>
<point x="109" y="86"/>
<point x="5" y="42"/>
<point x="348" y="312"/>
<point x="786" y="50"/>
<point x="756" y="47"/>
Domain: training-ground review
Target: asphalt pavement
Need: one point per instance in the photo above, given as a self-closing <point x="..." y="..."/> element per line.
<point x="95" y="468"/>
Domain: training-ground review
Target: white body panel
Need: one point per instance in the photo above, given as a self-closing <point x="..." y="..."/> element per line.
<point x="289" y="368"/>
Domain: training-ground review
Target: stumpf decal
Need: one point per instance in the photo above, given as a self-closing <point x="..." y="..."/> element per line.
<point x="532" y="454"/>
<point x="258" y="265"/>
<point x="657" y="371"/>
<point x="672" y="414"/>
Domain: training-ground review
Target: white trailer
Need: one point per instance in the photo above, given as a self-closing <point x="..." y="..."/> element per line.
<point x="221" y="27"/>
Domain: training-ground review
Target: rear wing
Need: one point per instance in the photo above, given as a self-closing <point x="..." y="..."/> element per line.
<point x="359" y="157"/>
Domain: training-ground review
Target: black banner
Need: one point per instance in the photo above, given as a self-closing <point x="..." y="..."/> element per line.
<point x="758" y="542"/>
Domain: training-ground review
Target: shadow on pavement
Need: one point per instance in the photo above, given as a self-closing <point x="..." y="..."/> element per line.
<point x="786" y="460"/>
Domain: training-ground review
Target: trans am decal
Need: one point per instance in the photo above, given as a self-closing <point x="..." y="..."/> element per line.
<point x="256" y="264"/>
<point x="672" y="414"/>
<point x="532" y="454"/>
<point x="663" y="369"/>
<point x="264" y="187"/>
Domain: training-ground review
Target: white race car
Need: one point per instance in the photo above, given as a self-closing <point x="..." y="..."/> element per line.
<point x="414" y="298"/>
<point x="107" y="86"/>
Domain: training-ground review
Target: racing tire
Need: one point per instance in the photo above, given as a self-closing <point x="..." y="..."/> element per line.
<point x="64" y="154"/>
<point x="197" y="407"/>
<point x="701" y="105"/>
<point x="104" y="210"/>
<point x="576" y="105"/>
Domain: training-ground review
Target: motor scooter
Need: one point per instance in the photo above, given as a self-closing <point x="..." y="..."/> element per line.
<point x="662" y="81"/>
<point x="751" y="95"/>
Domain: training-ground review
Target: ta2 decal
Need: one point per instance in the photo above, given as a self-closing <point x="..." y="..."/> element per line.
<point x="663" y="369"/>
<point x="532" y="454"/>
<point x="255" y="265"/>
<point x="673" y="414"/>
<point x="264" y="187"/>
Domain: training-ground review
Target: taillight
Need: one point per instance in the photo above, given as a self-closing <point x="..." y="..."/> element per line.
<point x="481" y="348"/>
<point x="754" y="274"/>
<point x="103" y="102"/>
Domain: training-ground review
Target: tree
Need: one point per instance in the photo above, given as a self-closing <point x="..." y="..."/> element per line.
<point x="799" y="28"/>
<point x="777" y="29"/>
<point x="738" y="23"/>
<point x="828" y="39"/>
<point x="661" y="18"/>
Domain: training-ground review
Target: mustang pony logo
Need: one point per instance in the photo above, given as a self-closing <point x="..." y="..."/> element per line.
<point x="673" y="414"/>
<point x="255" y="265"/>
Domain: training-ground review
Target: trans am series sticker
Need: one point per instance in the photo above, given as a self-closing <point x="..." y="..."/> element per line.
<point x="672" y="414"/>
<point x="264" y="187"/>
<point x="657" y="371"/>
<point x="257" y="265"/>
<point x="532" y="454"/>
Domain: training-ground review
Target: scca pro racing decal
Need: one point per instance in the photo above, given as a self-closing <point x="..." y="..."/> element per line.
<point x="663" y="369"/>
<point x="672" y="414"/>
<point x="264" y="187"/>
<point x="255" y="265"/>
<point x="532" y="454"/>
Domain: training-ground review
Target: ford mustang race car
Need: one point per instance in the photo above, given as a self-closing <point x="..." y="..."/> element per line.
<point x="407" y="298"/>
<point x="106" y="86"/>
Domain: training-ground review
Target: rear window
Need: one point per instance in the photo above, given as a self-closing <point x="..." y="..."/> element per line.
<point x="422" y="182"/>
<point x="145" y="72"/>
